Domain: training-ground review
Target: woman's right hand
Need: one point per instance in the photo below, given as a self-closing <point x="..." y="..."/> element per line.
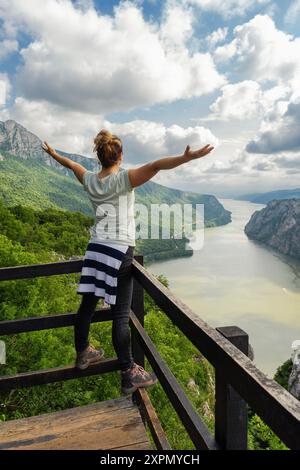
<point x="46" y="147"/>
<point x="194" y="154"/>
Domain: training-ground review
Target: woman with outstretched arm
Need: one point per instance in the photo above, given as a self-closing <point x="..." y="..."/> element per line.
<point x="106" y="271"/>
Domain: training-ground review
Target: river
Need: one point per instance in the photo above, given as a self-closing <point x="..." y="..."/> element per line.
<point x="235" y="281"/>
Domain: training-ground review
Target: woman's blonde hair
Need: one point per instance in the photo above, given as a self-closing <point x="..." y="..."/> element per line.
<point x="108" y="147"/>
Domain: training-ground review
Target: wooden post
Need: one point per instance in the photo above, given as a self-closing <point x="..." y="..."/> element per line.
<point x="231" y="411"/>
<point x="138" y="308"/>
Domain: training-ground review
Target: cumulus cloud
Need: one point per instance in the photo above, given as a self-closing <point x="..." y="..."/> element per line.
<point x="280" y="133"/>
<point x="146" y="140"/>
<point x="177" y="24"/>
<point x="246" y="100"/>
<point x="217" y="36"/>
<point x="265" y="55"/>
<point x="260" y="52"/>
<point x="229" y="8"/>
<point x="238" y="164"/>
<point x="240" y="100"/>
<point x="85" y="61"/>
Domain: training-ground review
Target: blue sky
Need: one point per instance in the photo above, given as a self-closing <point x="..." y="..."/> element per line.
<point x="161" y="75"/>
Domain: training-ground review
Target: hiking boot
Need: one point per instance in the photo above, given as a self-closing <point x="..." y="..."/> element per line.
<point x="88" y="356"/>
<point x="136" y="377"/>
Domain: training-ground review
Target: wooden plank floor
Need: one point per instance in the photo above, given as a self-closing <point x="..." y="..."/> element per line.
<point x="113" y="424"/>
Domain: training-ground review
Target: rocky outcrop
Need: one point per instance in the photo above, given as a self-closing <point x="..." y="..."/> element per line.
<point x="278" y="226"/>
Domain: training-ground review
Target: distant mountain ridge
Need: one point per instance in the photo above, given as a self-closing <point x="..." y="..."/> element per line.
<point x="26" y="168"/>
<point x="278" y="226"/>
<point x="264" y="198"/>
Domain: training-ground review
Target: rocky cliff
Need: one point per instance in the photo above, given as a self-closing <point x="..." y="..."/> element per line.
<point x="278" y="226"/>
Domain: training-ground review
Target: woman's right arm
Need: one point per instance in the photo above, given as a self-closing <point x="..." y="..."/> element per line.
<point x="77" y="169"/>
<point x="141" y="175"/>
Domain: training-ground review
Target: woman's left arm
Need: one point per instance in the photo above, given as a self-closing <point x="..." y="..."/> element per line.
<point x="78" y="169"/>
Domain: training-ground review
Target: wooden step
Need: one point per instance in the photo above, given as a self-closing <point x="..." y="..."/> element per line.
<point x="113" y="424"/>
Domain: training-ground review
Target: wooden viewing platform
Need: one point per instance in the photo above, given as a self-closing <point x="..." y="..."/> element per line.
<point x="120" y="423"/>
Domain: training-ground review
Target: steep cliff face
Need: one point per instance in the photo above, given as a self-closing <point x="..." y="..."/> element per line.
<point x="278" y="226"/>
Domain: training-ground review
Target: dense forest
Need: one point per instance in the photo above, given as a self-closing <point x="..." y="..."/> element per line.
<point x="31" y="236"/>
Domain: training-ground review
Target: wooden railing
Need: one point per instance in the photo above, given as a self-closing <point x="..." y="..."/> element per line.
<point x="239" y="382"/>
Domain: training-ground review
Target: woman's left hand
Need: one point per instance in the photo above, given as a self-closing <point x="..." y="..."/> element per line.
<point x="46" y="147"/>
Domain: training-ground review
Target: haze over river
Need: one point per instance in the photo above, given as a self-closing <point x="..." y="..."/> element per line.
<point x="235" y="281"/>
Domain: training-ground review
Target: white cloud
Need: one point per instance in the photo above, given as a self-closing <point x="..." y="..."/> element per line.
<point x="217" y="36"/>
<point x="4" y="89"/>
<point x="246" y="100"/>
<point x="177" y="24"/>
<point x="265" y="54"/>
<point x="7" y="47"/>
<point x="229" y="8"/>
<point x="293" y="12"/>
<point x="280" y="131"/>
<point x="260" y="52"/>
<point x="238" y="101"/>
<point x="83" y="61"/>
<point x="146" y="140"/>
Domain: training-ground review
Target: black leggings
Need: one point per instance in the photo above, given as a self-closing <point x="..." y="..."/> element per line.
<point x="121" y="309"/>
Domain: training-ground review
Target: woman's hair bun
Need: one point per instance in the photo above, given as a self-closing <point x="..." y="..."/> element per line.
<point x="108" y="148"/>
